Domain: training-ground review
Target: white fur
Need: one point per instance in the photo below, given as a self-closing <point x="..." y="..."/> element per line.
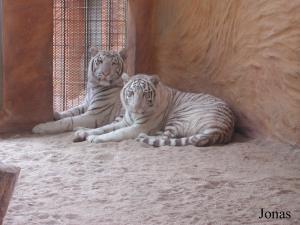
<point x="176" y="116"/>
<point x="101" y="104"/>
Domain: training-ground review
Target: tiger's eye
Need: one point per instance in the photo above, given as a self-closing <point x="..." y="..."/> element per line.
<point x="129" y="93"/>
<point x="99" y="61"/>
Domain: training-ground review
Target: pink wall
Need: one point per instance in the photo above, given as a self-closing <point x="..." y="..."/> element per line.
<point x="246" y="52"/>
<point x="27" y="64"/>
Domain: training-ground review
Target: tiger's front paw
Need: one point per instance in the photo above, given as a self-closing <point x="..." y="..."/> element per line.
<point x="40" y="128"/>
<point x="80" y="135"/>
<point x="57" y="116"/>
<point x="94" y="139"/>
<point x="142" y="135"/>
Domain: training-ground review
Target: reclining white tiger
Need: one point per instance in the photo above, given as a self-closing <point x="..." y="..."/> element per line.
<point x="179" y="118"/>
<point x="102" y="101"/>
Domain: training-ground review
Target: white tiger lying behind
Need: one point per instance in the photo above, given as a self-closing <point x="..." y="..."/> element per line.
<point x="102" y="102"/>
<point x="179" y="118"/>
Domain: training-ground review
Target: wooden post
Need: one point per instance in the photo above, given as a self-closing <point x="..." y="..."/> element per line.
<point x="8" y="178"/>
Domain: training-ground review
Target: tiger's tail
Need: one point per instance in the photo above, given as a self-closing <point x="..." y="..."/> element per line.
<point x="205" y="138"/>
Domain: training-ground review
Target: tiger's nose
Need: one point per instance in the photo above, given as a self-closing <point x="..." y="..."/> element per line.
<point x="137" y="108"/>
<point x="141" y="111"/>
<point x="106" y="70"/>
<point x="104" y="73"/>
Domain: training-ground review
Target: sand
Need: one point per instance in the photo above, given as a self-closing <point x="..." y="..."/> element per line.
<point x="129" y="183"/>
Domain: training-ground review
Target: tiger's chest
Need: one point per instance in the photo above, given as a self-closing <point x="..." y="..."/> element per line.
<point x="103" y="98"/>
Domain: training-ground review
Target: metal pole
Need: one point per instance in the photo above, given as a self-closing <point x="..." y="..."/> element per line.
<point x="86" y="44"/>
<point x="64" y="53"/>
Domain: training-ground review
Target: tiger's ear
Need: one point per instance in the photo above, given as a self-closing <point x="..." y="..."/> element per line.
<point x="123" y="53"/>
<point x="125" y="78"/>
<point x="154" y="80"/>
<point x="93" y="51"/>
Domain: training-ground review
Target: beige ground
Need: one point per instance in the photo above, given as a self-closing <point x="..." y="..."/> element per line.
<point x="129" y="183"/>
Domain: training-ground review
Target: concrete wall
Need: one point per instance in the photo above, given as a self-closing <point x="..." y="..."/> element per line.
<point x="27" y="63"/>
<point x="246" y="52"/>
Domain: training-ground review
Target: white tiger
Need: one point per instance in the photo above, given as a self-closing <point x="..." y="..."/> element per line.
<point x="178" y="118"/>
<point x="102" y="102"/>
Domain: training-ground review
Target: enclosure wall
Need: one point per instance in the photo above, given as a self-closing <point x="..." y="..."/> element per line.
<point x="246" y="52"/>
<point x="27" y="63"/>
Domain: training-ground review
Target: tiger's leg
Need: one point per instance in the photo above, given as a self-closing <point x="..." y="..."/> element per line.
<point x="117" y="135"/>
<point x="82" y="134"/>
<point x="78" y="110"/>
<point x="66" y="124"/>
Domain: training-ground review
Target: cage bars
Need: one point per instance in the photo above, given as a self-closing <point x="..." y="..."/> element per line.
<point x="79" y="25"/>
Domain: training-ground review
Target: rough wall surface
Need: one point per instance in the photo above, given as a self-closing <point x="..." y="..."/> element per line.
<point x="246" y="52"/>
<point x="140" y="36"/>
<point x="27" y="63"/>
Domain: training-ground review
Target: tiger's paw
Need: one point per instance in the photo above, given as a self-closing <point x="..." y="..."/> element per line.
<point x="57" y="116"/>
<point x="159" y="133"/>
<point x="94" y="139"/>
<point x="80" y="135"/>
<point x="40" y="129"/>
<point x="142" y="135"/>
<point x="142" y="140"/>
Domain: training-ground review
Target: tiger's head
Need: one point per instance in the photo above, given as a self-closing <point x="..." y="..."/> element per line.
<point x="106" y="67"/>
<point x="139" y="94"/>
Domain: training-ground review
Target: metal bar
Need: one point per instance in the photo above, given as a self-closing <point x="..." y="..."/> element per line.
<point x="109" y="24"/>
<point x="64" y="54"/>
<point x="100" y="16"/>
<point x="126" y="20"/>
<point x="86" y="38"/>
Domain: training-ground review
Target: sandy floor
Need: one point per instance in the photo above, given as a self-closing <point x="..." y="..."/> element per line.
<point x="129" y="183"/>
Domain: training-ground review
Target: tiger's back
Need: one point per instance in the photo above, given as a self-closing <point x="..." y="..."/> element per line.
<point x="198" y="115"/>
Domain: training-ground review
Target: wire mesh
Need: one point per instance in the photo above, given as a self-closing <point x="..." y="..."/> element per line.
<point x="79" y="25"/>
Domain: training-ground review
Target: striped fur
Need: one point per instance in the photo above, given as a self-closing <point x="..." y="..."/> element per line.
<point x="159" y="115"/>
<point x="101" y="104"/>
